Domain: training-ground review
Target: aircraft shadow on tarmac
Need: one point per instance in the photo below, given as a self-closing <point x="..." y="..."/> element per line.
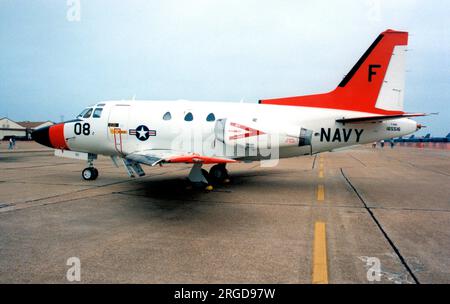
<point x="181" y="190"/>
<point x="171" y="200"/>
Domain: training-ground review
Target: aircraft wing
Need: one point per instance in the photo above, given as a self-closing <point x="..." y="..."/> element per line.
<point x="365" y="119"/>
<point x="155" y="157"/>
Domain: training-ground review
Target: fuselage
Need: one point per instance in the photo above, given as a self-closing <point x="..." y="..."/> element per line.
<point x="235" y="130"/>
<point x="366" y="106"/>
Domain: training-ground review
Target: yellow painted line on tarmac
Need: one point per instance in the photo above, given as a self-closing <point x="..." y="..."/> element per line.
<point x="321" y="173"/>
<point x="320" y="267"/>
<point x="320" y="192"/>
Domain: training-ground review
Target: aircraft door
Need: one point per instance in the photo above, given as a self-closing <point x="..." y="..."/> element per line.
<point x="118" y="126"/>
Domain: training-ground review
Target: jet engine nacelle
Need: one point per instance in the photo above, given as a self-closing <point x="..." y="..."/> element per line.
<point x="251" y="136"/>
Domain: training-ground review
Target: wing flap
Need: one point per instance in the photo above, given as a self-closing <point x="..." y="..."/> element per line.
<point x="155" y="157"/>
<point x="199" y="159"/>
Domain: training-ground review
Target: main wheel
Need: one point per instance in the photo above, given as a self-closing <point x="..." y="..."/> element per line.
<point x="218" y="173"/>
<point x="89" y="173"/>
<point x="95" y="173"/>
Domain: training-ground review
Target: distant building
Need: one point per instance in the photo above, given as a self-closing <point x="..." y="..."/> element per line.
<point x="10" y="128"/>
<point x="20" y="130"/>
<point x="30" y="126"/>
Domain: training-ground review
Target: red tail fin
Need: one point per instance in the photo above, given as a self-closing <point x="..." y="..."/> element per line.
<point x="360" y="88"/>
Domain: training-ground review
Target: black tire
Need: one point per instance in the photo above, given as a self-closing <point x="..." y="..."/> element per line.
<point x="87" y="174"/>
<point x="218" y="173"/>
<point x="95" y="171"/>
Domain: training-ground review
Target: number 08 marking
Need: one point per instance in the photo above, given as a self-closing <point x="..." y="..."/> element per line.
<point x="85" y="129"/>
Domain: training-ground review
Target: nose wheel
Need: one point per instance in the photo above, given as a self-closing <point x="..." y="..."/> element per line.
<point x="89" y="173"/>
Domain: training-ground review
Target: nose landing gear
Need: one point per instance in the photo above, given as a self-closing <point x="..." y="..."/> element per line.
<point x="90" y="173"/>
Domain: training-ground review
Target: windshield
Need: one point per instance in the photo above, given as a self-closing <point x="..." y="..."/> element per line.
<point x="83" y="112"/>
<point x="97" y="113"/>
<point x="86" y="113"/>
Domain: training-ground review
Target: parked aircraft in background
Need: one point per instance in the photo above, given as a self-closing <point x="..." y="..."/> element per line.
<point x="401" y="139"/>
<point x="424" y="139"/>
<point x="445" y="139"/>
<point x="413" y="139"/>
<point x="366" y="106"/>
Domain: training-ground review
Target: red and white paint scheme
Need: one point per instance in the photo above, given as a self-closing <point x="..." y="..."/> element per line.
<point x="365" y="107"/>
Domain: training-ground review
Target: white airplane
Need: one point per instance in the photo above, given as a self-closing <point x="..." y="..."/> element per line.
<point x="366" y="106"/>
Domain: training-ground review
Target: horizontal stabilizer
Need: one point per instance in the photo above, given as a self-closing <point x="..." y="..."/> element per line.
<point x="378" y="118"/>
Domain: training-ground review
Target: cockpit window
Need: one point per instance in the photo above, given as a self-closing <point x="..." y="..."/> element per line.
<point x="88" y="113"/>
<point x="167" y="116"/>
<point x="83" y="112"/>
<point x="211" y="117"/>
<point x="97" y="113"/>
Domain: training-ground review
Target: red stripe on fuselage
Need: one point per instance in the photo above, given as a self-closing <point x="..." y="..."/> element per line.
<point x="251" y="131"/>
<point x="57" y="139"/>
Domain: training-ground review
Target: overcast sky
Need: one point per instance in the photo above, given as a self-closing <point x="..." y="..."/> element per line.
<point x="209" y="50"/>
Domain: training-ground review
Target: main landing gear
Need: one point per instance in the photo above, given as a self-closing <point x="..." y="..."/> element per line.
<point x="200" y="178"/>
<point x="219" y="174"/>
<point x="90" y="173"/>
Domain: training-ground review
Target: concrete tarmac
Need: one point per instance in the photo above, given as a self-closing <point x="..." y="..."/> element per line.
<point x="386" y="208"/>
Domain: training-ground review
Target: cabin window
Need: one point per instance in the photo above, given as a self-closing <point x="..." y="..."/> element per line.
<point x="167" y="116"/>
<point x="210" y="117"/>
<point x="189" y="117"/>
<point x="97" y="113"/>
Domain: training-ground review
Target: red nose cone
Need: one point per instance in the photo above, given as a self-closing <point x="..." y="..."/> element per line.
<point x="57" y="139"/>
<point x="52" y="137"/>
